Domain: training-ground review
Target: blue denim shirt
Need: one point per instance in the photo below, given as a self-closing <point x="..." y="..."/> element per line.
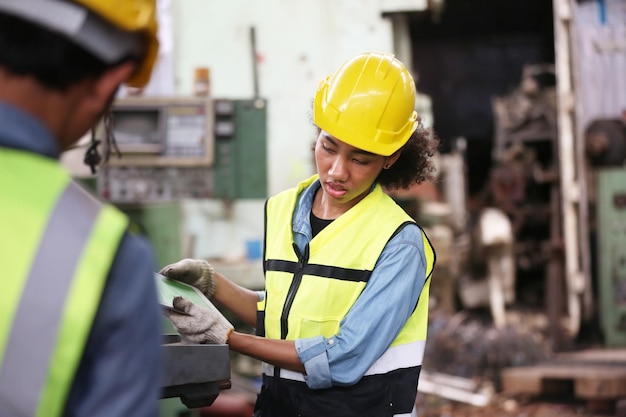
<point x="376" y="317"/>
<point x="120" y="372"/>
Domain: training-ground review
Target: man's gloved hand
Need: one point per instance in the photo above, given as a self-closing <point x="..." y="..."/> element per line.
<point x="196" y="272"/>
<point x="199" y="325"/>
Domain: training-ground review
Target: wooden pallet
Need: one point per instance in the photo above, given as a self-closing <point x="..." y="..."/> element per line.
<point x="593" y="376"/>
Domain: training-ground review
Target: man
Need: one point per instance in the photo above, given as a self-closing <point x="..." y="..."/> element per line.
<point x="79" y="322"/>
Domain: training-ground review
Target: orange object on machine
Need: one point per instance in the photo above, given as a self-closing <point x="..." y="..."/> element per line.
<point x="202" y="82"/>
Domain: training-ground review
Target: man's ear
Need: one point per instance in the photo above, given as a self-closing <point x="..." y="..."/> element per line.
<point x="107" y="84"/>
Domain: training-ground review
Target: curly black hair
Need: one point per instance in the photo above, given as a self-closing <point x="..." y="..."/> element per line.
<point x="415" y="164"/>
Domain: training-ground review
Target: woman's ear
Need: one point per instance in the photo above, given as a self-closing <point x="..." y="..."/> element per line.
<point x="391" y="159"/>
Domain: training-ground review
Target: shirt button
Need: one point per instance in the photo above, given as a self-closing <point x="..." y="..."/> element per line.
<point x="331" y="342"/>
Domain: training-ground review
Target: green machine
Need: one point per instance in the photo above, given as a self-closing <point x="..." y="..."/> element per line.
<point x="611" y="221"/>
<point x="182" y="148"/>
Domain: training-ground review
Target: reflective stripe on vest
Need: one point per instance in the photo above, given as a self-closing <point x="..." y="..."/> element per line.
<point x="54" y="288"/>
<point x="408" y="355"/>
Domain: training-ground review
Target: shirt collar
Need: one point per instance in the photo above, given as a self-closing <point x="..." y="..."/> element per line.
<point x="301" y="223"/>
<point x="20" y="130"/>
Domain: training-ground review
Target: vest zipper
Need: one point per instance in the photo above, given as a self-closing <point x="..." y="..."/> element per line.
<point x="293" y="288"/>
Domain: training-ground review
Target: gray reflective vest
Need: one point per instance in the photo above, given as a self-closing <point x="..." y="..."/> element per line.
<point x="57" y="244"/>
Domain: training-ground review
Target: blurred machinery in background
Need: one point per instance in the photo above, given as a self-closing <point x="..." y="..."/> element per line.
<point x="186" y="148"/>
<point x="569" y="53"/>
<point x="508" y="239"/>
<point x="605" y="148"/>
<point x="166" y="149"/>
<point x="523" y="184"/>
<point x="503" y="244"/>
<point x="172" y="149"/>
<point x="605" y="142"/>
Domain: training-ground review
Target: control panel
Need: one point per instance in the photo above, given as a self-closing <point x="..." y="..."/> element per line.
<point x="138" y="184"/>
<point x="164" y="132"/>
<point x="186" y="148"/>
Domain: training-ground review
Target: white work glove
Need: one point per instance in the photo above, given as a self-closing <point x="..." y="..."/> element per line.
<point x="199" y="325"/>
<point x="196" y="272"/>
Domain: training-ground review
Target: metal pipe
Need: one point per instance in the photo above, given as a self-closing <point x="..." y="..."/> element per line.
<point x="255" y="67"/>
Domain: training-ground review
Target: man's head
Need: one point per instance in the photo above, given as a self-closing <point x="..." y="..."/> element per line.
<point x="109" y="32"/>
<point x="76" y="53"/>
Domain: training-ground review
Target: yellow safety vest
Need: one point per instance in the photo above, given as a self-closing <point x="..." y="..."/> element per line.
<point x="57" y="244"/>
<point x="309" y="294"/>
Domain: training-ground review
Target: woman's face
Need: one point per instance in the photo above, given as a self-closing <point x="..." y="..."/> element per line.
<point x="346" y="173"/>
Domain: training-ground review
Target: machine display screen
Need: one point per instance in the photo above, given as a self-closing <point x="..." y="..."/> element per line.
<point x="169" y="132"/>
<point x="185" y="130"/>
<point x="137" y="131"/>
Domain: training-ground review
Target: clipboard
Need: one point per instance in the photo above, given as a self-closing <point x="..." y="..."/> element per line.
<point x="167" y="289"/>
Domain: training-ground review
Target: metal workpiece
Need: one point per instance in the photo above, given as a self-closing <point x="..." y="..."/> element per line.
<point x="195" y="372"/>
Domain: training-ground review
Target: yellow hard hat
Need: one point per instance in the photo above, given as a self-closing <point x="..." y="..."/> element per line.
<point x="369" y="103"/>
<point x="111" y="30"/>
<point x="136" y="16"/>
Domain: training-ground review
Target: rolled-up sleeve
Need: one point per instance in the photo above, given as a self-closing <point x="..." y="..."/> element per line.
<point x="312" y="353"/>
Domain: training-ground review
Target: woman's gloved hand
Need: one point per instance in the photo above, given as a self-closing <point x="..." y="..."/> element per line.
<point x="196" y="272"/>
<point x="199" y="325"/>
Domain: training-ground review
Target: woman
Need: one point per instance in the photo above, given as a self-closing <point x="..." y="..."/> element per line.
<point x="341" y="325"/>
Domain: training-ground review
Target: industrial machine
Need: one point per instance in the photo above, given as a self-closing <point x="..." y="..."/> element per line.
<point x="525" y="184"/>
<point x="605" y="148"/>
<point x="175" y="148"/>
<point x="611" y="223"/>
<point x="507" y="240"/>
<point x="166" y="148"/>
<point x="181" y="148"/>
